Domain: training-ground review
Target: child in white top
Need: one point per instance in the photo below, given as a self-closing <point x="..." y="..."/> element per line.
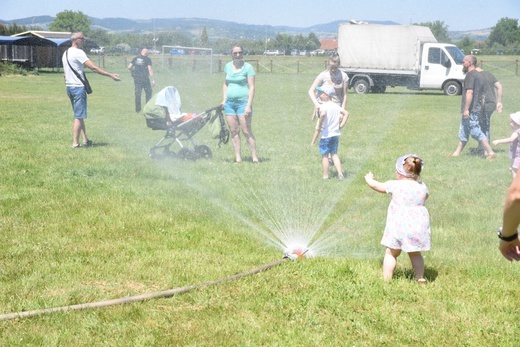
<point x="407" y="222"/>
<point x="514" y="140"/>
<point x="332" y="118"/>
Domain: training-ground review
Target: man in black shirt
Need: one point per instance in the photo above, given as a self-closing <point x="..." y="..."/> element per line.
<point x="142" y="72"/>
<point x="472" y="107"/>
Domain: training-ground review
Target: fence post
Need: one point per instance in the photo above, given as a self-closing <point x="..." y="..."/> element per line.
<point x="271" y="69"/>
<point x="298" y="66"/>
<point x="220" y="65"/>
<point x="516" y="68"/>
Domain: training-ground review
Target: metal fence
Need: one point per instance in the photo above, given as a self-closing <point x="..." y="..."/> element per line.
<point x="501" y="67"/>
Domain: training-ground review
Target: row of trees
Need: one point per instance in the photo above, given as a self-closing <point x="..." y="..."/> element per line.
<point x="504" y="37"/>
<point x="8" y="30"/>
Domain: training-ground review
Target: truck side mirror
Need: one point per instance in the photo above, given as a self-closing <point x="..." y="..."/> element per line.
<point x="447" y="63"/>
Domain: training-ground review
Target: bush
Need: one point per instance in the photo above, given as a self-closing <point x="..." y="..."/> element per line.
<point x="8" y="68"/>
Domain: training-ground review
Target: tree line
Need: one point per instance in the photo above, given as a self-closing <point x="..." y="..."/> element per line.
<point x="503" y="39"/>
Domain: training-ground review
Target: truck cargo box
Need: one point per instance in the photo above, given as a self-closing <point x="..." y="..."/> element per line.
<point x="395" y="48"/>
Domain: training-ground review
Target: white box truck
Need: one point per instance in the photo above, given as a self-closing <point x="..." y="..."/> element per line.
<point x="380" y="56"/>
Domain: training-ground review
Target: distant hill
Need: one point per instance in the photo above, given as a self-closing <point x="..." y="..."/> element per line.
<point x="217" y="28"/>
<point x="477" y="35"/>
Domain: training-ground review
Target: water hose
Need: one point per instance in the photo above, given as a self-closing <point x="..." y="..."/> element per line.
<point x="136" y="298"/>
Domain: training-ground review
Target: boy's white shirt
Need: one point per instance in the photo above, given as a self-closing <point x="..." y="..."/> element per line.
<point x="331" y="121"/>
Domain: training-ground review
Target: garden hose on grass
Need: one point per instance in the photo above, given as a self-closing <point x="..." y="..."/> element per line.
<point x="142" y="297"/>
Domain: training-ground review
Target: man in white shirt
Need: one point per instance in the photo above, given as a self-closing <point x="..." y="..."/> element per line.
<point x="75" y="58"/>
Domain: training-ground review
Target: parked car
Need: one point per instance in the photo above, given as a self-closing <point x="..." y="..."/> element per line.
<point x="275" y="52"/>
<point x="475" y="51"/>
<point x="99" y="50"/>
<point x="317" y="52"/>
<point x="177" y="51"/>
<point x="304" y="53"/>
<point x="295" y="52"/>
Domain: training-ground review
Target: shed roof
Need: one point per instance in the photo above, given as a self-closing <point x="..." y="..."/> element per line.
<point x="25" y="41"/>
<point x="46" y="34"/>
<point x="31" y="41"/>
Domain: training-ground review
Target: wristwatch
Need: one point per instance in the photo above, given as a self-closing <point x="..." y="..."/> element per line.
<point x="507" y="238"/>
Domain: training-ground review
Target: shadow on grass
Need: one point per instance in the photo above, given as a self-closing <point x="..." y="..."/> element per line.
<point x="429" y="274"/>
<point x="479" y="152"/>
<point x="407" y="273"/>
<point x="248" y="160"/>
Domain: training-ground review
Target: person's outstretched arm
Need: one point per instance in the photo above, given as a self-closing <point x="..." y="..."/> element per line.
<point x="375" y="185"/>
<point x="509" y="139"/>
<point x="100" y="71"/>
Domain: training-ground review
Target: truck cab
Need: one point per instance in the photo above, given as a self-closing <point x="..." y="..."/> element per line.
<point x="441" y="65"/>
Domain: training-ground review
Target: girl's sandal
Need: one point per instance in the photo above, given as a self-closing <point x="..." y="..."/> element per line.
<point x="421" y="280"/>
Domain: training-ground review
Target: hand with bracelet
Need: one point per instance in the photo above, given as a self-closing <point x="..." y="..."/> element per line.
<point x="509" y="246"/>
<point x="509" y="243"/>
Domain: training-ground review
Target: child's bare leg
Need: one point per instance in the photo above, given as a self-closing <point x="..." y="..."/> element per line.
<point x="417" y="263"/>
<point x="390" y="262"/>
<point x="337" y="164"/>
<point x="325" y="164"/>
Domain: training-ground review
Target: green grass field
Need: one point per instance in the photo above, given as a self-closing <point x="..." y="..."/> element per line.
<point x="106" y="222"/>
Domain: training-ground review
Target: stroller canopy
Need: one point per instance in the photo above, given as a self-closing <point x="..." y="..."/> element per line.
<point x="168" y="99"/>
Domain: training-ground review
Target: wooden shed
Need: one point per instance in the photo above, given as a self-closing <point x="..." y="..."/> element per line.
<point x="35" y="49"/>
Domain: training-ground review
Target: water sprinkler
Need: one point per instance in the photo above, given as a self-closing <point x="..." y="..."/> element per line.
<point x="295" y="253"/>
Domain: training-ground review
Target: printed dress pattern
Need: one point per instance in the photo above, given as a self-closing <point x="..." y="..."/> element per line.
<point x="407" y="222"/>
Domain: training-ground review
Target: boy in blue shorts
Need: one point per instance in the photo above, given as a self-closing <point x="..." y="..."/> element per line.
<point x="332" y="118"/>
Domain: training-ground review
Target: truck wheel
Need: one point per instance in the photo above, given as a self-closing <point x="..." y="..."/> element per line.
<point x="361" y="86"/>
<point x="452" y="88"/>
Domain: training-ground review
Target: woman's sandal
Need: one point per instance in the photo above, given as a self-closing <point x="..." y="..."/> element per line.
<point x="421" y="280"/>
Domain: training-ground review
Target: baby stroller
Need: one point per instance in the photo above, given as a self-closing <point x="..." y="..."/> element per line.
<point x="163" y="112"/>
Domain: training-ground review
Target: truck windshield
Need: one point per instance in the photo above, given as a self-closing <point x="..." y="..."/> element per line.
<point x="456" y="54"/>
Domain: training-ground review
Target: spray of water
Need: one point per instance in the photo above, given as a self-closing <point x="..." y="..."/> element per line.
<point x="286" y="211"/>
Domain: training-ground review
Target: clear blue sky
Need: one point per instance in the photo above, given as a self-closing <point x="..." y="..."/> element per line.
<point x="457" y="14"/>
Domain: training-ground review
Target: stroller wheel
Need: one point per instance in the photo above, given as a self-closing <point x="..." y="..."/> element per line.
<point x="187" y="154"/>
<point x="203" y="151"/>
<point x="153" y="155"/>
